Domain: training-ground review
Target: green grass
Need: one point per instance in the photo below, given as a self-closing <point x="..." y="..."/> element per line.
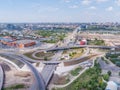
<point x="76" y="71"/>
<point x="108" y="55"/>
<point x="113" y="58"/>
<point x="42" y="54"/>
<point x="29" y="55"/>
<point x="15" y="87"/>
<point x="96" y="42"/>
<point x="50" y="41"/>
<point x="103" y="58"/>
<point x="91" y="79"/>
<point x="76" y="53"/>
<point x="106" y="77"/>
<point x="53" y="35"/>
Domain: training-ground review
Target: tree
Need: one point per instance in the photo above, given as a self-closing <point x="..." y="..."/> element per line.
<point x="45" y="58"/>
<point x="117" y="63"/>
<point x="119" y="73"/>
<point x="96" y="39"/>
<point x="106" y="77"/>
<point x="109" y="73"/>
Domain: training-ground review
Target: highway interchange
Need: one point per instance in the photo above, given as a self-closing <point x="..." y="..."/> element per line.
<point x="42" y="79"/>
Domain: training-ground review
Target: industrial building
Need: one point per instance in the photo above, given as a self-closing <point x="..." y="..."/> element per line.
<point x="16" y="43"/>
<point x="25" y="43"/>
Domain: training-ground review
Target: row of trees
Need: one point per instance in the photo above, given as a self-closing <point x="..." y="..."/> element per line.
<point x="91" y="79"/>
<point x="114" y="58"/>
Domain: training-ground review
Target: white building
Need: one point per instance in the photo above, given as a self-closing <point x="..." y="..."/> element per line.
<point x="111" y="86"/>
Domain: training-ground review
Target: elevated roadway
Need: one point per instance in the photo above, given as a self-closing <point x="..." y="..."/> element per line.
<point x="81" y="46"/>
<point x="49" y="68"/>
<point x="11" y="62"/>
<point x="39" y="84"/>
<point x="47" y="72"/>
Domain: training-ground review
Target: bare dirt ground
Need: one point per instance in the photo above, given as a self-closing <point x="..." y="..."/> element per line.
<point x="15" y="77"/>
<point x="59" y="80"/>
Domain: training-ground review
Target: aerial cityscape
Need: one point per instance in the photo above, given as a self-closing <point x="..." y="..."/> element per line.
<point x="59" y="45"/>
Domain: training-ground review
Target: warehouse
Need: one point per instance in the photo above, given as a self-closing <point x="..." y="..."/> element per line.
<point x="25" y="43"/>
<point x="17" y="43"/>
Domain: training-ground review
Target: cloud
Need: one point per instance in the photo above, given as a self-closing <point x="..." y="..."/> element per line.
<point x="74" y="6"/>
<point x="117" y="2"/>
<point x="92" y="7"/>
<point x="86" y="2"/>
<point x="101" y="0"/>
<point x="109" y="8"/>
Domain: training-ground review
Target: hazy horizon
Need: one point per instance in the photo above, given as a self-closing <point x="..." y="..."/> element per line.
<point x="55" y="11"/>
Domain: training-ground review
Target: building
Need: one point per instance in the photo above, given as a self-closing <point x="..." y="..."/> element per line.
<point x="25" y="43"/>
<point x="83" y="42"/>
<point x="16" y="43"/>
<point x="66" y="56"/>
<point x="7" y="41"/>
<point x="111" y="86"/>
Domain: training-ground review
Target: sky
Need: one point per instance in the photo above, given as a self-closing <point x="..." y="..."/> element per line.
<point x="59" y="10"/>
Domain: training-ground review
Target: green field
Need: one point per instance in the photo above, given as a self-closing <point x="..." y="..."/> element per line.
<point x="114" y="58"/>
<point x="29" y="55"/>
<point x="40" y="55"/>
<point x="96" y="42"/>
<point x="15" y="87"/>
<point x="91" y="79"/>
<point x="76" y="71"/>
<point x="53" y="35"/>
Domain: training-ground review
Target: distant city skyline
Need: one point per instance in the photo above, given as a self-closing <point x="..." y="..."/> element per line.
<point x="16" y="11"/>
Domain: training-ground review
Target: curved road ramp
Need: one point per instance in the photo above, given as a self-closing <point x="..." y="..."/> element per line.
<point x="39" y="82"/>
<point x="1" y="77"/>
<point x="78" y="60"/>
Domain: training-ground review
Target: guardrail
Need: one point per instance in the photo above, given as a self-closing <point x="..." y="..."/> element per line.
<point x="81" y="46"/>
<point x="1" y="77"/>
<point x="39" y="84"/>
<point x="11" y="62"/>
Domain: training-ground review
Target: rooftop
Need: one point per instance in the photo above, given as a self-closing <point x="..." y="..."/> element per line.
<point x="24" y="41"/>
<point x="6" y="39"/>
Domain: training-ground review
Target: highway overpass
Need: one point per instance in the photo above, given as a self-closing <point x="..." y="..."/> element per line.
<point x="48" y="72"/>
<point x="39" y="82"/>
<point x="81" y="46"/>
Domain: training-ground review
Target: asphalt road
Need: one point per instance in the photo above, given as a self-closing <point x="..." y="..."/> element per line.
<point x="39" y="84"/>
<point x="109" y="67"/>
<point x="48" y="70"/>
<point x="47" y="73"/>
<point x="1" y="77"/>
<point x="81" y="46"/>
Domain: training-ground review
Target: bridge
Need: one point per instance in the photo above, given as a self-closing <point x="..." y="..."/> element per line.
<point x="16" y="65"/>
<point x="81" y="46"/>
<point x="39" y="82"/>
<point x="43" y="78"/>
<point x="48" y="72"/>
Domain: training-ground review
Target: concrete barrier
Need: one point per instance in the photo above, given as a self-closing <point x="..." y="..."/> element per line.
<point x="1" y="77"/>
